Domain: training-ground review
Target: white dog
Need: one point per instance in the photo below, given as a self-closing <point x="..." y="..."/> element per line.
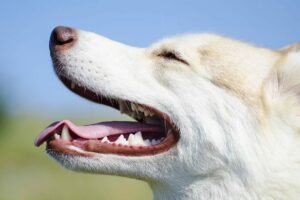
<point x="216" y="118"/>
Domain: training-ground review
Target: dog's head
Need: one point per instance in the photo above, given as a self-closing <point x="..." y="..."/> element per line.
<point x="212" y="104"/>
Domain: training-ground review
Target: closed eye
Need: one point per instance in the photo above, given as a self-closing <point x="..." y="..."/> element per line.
<point x="171" y="55"/>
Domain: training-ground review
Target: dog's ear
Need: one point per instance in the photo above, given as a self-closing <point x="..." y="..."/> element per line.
<point x="282" y="87"/>
<point x="290" y="48"/>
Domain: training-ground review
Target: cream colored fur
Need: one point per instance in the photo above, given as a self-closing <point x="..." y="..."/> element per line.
<point x="237" y="107"/>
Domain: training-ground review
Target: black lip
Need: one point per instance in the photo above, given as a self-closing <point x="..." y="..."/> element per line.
<point x="88" y="94"/>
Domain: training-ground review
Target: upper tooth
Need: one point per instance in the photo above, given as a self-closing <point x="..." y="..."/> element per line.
<point x="141" y="109"/>
<point x="121" y="140"/>
<point x="146" y="113"/>
<point x="65" y="135"/>
<point x="122" y="106"/>
<point x="133" y="107"/>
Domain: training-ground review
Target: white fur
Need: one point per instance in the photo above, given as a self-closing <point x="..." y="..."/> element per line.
<point x="239" y="127"/>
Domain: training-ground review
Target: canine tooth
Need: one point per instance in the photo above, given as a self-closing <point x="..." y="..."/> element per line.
<point x="56" y="136"/>
<point x="65" y="135"/>
<point x="121" y="140"/>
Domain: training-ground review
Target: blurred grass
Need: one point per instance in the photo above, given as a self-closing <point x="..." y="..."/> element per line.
<point x="27" y="173"/>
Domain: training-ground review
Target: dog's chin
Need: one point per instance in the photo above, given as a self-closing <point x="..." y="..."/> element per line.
<point x="126" y="166"/>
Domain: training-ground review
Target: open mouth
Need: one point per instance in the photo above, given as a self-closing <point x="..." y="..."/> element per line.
<point x="152" y="133"/>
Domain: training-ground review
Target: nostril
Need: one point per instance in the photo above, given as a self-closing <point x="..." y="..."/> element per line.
<point x="61" y="36"/>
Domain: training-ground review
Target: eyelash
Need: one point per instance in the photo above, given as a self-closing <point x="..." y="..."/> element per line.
<point x="172" y="56"/>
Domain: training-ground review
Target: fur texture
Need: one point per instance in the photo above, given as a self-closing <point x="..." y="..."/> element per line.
<point x="236" y="105"/>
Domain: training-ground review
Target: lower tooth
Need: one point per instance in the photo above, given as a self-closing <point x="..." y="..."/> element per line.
<point x="105" y="140"/>
<point x="147" y="142"/>
<point x="131" y="139"/>
<point x="139" y="139"/>
<point x="121" y="140"/>
<point x="136" y="139"/>
<point x="65" y="135"/>
<point x="155" y="142"/>
<point x="56" y="136"/>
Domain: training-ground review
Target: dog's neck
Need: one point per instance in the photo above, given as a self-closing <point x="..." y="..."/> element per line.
<point x="206" y="188"/>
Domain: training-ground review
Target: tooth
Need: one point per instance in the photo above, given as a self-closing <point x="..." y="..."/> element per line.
<point x="105" y="139"/>
<point x="131" y="139"/>
<point x="56" y="136"/>
<point x="121" y="106"/>
<point x="139" y="139"/>
<point x="141" y="109"/>
<point x="157" y="141"/>
<point x="72" y="85"/>
<point x="147" y="113"/>
<point x="133" y="107"/>
<point x="65" y="135"/>
<point x="147" y="142"/>
<point x="151" y="114"/>
<point x="121" y="140"/>
<point x="154" y="142"/>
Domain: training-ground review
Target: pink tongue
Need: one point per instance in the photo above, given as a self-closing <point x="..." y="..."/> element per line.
<point x="98" y="130"/>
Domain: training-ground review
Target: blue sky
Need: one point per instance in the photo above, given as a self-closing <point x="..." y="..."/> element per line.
<point x="27" y="78"/>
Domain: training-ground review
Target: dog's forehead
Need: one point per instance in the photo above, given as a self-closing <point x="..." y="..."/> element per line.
<point x="185" y="42"/>
<point x="233" y="65"/>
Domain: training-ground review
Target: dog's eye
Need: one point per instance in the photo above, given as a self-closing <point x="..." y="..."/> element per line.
<point x="172" y="56"/>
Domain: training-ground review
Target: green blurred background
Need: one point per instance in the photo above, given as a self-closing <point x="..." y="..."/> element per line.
<point x="26" y="173"/>
<point x="31" y="97"/>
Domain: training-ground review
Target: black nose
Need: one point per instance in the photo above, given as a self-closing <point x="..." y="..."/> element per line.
<point x="62" y="38"/>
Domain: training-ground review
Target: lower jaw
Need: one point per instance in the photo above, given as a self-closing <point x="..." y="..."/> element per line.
<point x="88" y="148"/>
